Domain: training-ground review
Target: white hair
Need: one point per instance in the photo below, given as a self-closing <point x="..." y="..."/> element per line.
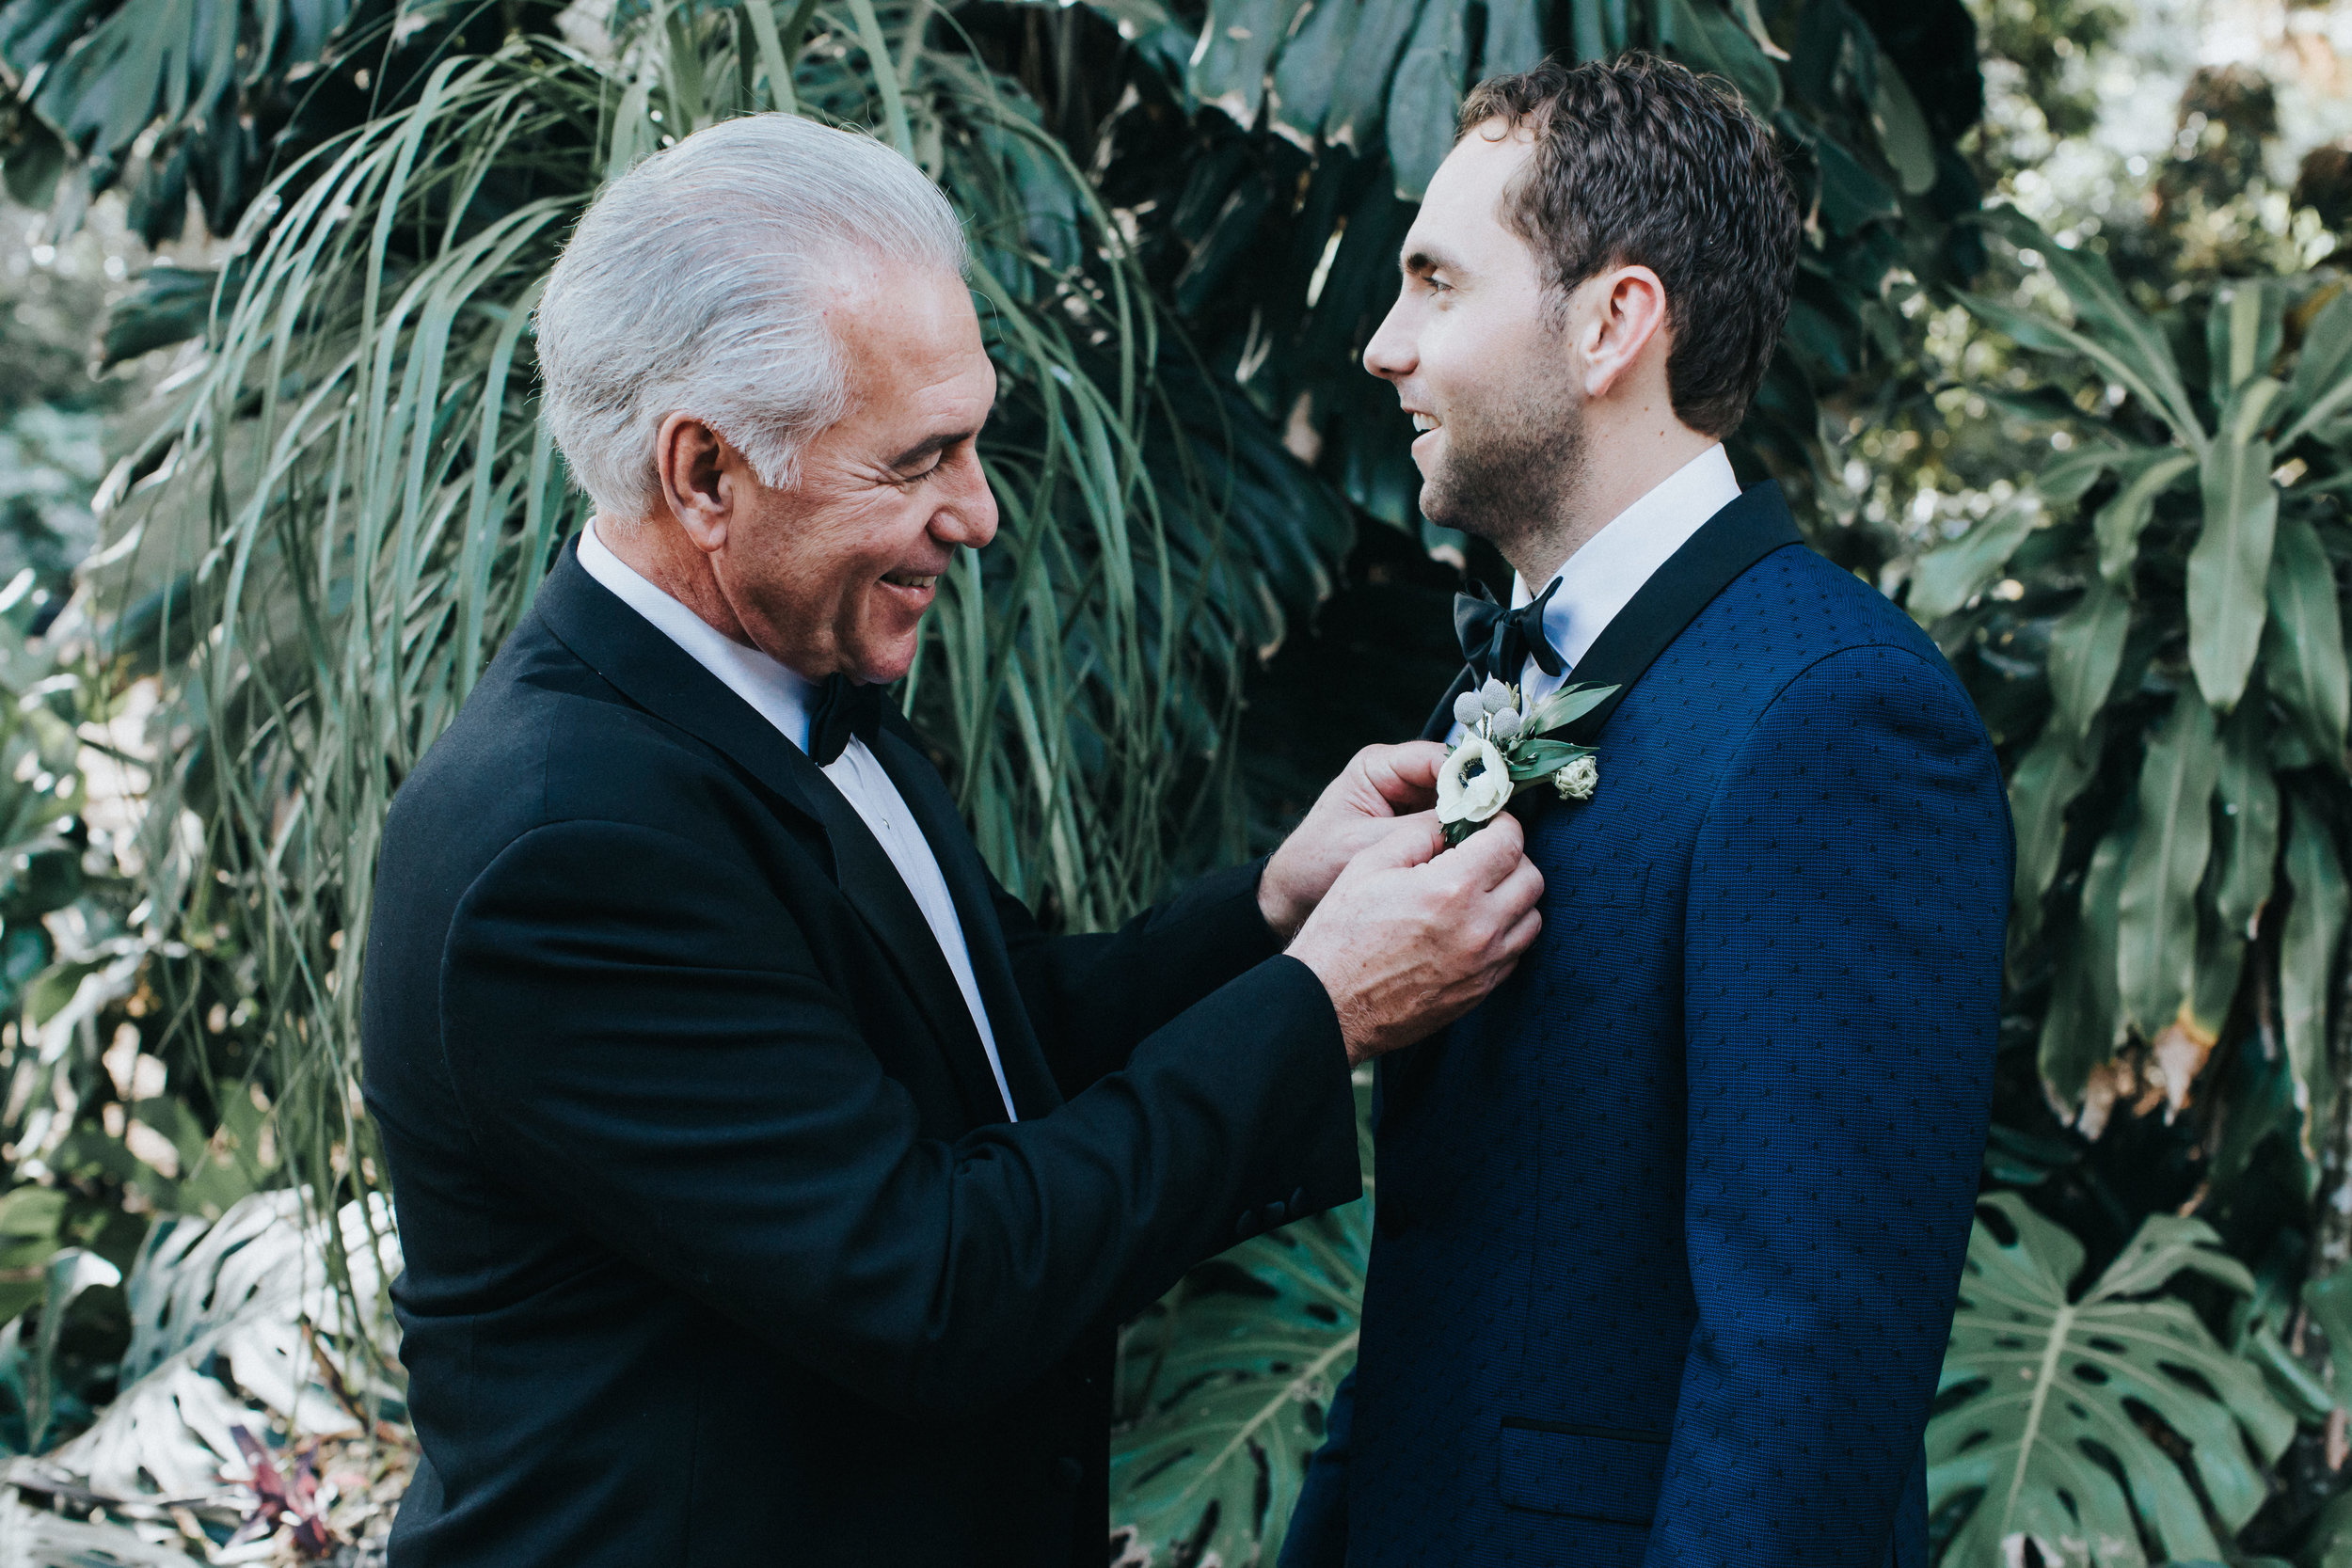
<point x="697" y="283"/>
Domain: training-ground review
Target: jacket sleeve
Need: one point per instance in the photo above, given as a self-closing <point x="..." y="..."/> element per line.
<point x="637" y="1035"/>
<point x="1094" y="997"/>
<point x="1848" y="892"/>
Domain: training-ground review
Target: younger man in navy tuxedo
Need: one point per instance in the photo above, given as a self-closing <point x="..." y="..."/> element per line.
<point x="1669" y="1228"/>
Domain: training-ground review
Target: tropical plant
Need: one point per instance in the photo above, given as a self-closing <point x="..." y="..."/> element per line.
<point x="1223" y="1386"/>
<point x="236" y="1333"/>
<point x="2043" y="1426"/>
<point x="2173" y="568"/>
<point x="2152" y="628"/>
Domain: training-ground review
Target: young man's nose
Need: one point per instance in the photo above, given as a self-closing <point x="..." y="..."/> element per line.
<point x="1390" y="355"/>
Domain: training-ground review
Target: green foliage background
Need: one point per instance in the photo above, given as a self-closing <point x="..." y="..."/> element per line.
<point x="1212" y="584"/>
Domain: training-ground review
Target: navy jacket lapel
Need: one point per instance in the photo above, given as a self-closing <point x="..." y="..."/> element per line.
<point x="1027" y="1074"/>
<point x="660" y="677"/>
<point x="1727" y="545"/>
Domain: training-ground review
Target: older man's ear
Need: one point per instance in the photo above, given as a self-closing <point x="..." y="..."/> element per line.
<point x="701" y="479"/>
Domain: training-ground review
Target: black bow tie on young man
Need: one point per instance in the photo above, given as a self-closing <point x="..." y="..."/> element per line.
<point x="1498" y="642"/>
<point x="843" y="708"/>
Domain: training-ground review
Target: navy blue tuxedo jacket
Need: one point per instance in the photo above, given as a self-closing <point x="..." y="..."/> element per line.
<point x="720" y="1250"/>
<point x="1668" y="1232"/>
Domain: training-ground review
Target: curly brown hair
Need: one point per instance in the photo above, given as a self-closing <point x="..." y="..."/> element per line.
<point x="1639" y="161"/>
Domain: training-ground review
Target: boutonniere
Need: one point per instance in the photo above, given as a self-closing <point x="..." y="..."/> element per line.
<point x="1504" y="751"/>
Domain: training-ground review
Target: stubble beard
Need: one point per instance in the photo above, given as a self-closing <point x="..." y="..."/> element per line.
<point x="1510" y="472"/>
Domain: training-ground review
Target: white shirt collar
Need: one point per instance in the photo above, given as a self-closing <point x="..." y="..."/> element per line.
<point x="780" y="694"/>
<point x="1609" y="568"/>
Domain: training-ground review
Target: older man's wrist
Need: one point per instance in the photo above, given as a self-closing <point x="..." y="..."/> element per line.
<point x="1282" y="912"/>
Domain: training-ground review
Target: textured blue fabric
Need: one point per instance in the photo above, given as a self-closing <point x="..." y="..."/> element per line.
<point x="1669" y="1230"/>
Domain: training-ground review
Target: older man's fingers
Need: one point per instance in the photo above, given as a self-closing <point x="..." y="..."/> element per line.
<point x="1491" y="854"/>
<point x="1405" y="776"/>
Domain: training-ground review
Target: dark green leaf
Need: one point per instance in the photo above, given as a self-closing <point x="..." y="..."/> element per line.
<point x="2305" y="665"/>
<point x="2249" y="822"/>
<point x="1903" y="133"/>
<point x="2125" y="343"/>
<point x="2306" y="970"/>
<point x="1308" y="73"/>
<point x="2039" y="1387"/>
<point x="2230" y="566"/>
<point x="2086" y="650"/>
<point x="2323" y="369"/>
<point x="2042" y="785"/>
<point x="2242" y="333"/>
<point x="1239" y="39"/>
<point x="1949" y="576"/>
<point x="1514" y="38"/>
<point x="1361" y="90"/>
<point x="2083" y="1025"/>
<point x="2156" y="908"/>
<point x="2121" y="522"/>
<point x="1540" y="759"/>
<point x="1426" y="96"/>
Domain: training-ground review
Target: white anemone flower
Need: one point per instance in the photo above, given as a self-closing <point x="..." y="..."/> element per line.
<point x="1479" y="796"/>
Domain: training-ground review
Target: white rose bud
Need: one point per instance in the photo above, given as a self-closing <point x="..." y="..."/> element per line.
<point x="1504" y="726"/>
<point x="1468" y="709"/>
<point x="1577" y="779"/>
<point x="1479" y="796"/>
<point x="1494" y="696"/>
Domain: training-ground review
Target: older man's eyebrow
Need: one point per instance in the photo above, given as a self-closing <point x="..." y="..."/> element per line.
<point x="930" y="447"/>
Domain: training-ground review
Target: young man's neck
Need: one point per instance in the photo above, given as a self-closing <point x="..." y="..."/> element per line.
<point x="1626" y="459"/>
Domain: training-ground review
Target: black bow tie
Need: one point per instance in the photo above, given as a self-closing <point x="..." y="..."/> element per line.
<point x="843" y="708"/>
<point x="1498" y="642"/>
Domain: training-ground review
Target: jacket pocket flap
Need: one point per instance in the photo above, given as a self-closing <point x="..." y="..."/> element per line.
<point x="1581" y="1471"/>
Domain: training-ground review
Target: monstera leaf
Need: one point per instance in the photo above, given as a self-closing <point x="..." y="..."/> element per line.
<point x="236" y="1323"/>
<point x="2051" y="1406"/>
<point x="1225" y="1387"/>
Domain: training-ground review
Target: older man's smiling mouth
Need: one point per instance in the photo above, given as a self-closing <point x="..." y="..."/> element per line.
<point x="910" y="579"/>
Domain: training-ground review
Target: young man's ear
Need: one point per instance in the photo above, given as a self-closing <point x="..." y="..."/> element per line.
<point x="1617" y="315"/>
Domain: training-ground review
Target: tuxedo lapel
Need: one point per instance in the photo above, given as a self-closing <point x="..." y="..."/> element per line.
<point x="660" y="676"/>
<point x="645" y="666"/>
<point x="1727" y="545"/>
<point x="1027" y="1074"/>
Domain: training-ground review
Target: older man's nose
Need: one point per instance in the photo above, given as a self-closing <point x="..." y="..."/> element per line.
<point x="969" y="516"/>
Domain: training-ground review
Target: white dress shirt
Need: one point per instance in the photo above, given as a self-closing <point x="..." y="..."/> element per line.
<point x="783" y="697"/>
<point x="1609" y="568"/>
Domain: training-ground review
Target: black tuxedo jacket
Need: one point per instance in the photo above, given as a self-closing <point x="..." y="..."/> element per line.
<point x="719" y="1249"/>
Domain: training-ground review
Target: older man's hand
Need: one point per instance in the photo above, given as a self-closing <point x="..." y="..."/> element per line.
<point x="1380" y="787"/>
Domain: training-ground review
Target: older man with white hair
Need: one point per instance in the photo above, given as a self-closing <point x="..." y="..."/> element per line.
<point x="771" y="1185"/>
